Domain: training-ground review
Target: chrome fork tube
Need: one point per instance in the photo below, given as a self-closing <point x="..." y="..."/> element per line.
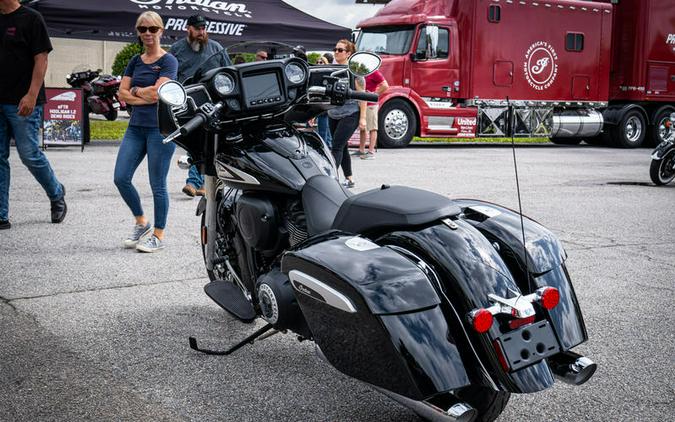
<point x="211" y="223"/>
<point x="211" y="213"/>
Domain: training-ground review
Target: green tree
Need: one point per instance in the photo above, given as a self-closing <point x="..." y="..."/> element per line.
<point x="122" y="58"/>
<point x="313" y="57"/>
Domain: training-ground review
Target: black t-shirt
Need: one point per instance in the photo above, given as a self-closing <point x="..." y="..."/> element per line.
<point x="23" y="34"/>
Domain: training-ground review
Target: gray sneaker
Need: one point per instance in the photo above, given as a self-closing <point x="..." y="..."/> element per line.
<point x="137" y="234"/>
<point x="150" y="244"/>
<point x="358" y="153"/>
<point x="368" y="156"/>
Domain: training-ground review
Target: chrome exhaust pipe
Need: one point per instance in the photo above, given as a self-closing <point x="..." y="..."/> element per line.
<point x="458" y="411"/>
<point x="184" y="162"/>
<point x="572" y="368"/>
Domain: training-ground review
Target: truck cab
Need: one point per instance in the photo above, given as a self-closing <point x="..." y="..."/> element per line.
<point x="421" y="62"/>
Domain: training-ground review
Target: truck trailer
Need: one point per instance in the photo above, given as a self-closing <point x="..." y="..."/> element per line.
<point x="571" y="70"/>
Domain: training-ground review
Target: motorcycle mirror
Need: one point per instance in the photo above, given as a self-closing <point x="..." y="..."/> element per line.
<point x="364" y="63"/>
<point x="172" y="93"/>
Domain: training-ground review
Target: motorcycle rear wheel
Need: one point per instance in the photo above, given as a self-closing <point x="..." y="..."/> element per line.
<point x="488" y="402"/>
<point x="662" y="171"/>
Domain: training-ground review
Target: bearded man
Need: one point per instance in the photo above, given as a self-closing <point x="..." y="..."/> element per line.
<point x="192" y="52"/>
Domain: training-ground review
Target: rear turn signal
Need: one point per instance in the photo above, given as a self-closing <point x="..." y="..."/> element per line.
<point x="481" y="320"/>
<point x="550" y="296"/>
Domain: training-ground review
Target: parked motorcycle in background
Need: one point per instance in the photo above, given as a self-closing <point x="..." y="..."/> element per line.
<point x="100" y="91"/>
<point x="662" y="169"/>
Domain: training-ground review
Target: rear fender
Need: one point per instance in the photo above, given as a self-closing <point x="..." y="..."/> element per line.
<point x="469" y="269"/>
<point x="545" y="257"/>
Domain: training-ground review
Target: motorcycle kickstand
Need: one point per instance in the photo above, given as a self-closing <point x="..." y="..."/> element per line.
<point x="248" y="340"/>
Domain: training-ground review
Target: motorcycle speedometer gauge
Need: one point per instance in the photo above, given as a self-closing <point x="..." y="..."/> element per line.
<point x="223" y="83"/>
<point x="294" y="73"/>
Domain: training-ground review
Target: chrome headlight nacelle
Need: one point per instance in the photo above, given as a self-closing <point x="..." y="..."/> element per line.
<point x="295" y="73"/>
<point x="224" y="84"/>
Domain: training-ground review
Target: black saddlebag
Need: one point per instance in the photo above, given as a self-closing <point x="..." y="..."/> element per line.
<point x="375" y="315"/>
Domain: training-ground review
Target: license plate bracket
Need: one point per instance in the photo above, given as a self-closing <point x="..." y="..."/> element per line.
<point x="528" y="344"/>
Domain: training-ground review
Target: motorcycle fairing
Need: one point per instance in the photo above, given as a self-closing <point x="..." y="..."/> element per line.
<point x="545" y="262"/>
<point x="395" y="336"/>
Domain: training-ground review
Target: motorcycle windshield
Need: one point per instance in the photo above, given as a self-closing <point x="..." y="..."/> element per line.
<point x="245" y="52"/>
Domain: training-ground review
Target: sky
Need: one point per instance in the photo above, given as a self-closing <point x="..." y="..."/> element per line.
<point x="340" y="12"/>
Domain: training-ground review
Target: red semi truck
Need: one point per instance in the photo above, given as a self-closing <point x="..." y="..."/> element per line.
<point x="601" y="71"/>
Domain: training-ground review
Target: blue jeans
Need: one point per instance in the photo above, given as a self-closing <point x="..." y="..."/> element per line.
<point x="138" y="142"/>
<point x="195" y="178"/>
<point x="26" y="133"/>
<point x="324" y="129"/>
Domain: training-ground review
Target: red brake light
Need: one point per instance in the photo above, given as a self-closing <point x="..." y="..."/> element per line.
<point x="550" y="298"/>
<point x="481" y="320"/>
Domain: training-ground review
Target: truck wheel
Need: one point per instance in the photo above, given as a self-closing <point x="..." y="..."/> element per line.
<point x="397" y="124"/>
<point x="566" y="141"/>
<point x="631" y="131"/>
<point x="657" y="132"/>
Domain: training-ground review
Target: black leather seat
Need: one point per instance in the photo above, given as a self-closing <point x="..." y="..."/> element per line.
<point x="328" y="205"/>
<point x="395" y="207"/>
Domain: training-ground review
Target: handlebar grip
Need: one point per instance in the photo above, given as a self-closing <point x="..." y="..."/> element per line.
<point x="363" y="95"/>
<point x="192" y="124"/>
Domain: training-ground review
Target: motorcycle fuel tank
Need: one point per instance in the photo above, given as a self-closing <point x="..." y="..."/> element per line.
<point x="274" y="159"/>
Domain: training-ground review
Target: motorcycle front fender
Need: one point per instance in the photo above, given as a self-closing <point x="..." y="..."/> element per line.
<point x="662" y="149"/>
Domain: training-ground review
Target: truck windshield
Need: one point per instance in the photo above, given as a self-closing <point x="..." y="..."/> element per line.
<point x="389" y="40"/>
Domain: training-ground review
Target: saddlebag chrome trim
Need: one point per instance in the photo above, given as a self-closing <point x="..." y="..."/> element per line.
<point x="318" y="290"/>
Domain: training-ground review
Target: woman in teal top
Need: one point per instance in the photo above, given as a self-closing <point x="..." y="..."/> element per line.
<point x="144" y="74"/>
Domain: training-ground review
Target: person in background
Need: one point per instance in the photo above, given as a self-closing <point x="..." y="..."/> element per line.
<point x="238" y="59"/>
<point x="375" y="82"/>
<point x="24" y="47"/>
<point x="260" y="55"/>
<point x="191" y="52"/>
<point x="142" y="77"/>
<point x="344" y="120"/>
<point x="322" y="119"/>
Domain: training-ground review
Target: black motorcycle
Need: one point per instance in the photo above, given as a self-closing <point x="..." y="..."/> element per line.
<point x="662" y="168"/>
<point x="437" y="303"/>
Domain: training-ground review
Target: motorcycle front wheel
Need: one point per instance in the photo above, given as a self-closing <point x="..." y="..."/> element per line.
<point x="662" y="171"/>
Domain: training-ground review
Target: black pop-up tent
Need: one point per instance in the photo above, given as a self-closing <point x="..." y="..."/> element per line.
<point x="229" y="22"/>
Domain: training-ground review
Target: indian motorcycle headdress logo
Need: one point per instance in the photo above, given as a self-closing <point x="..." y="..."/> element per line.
<point x="540" y="65"/>
<point x="210" y="6"/>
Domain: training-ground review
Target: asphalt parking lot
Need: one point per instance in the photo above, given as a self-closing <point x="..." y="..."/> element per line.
<point x="91" y="331"/>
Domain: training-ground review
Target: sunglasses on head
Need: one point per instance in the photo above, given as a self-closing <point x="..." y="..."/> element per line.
<point x="339" y="50"/>
<point x="144" y="29"/>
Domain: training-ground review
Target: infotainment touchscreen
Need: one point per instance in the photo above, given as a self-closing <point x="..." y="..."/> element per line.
<point x="261" y="88"/>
